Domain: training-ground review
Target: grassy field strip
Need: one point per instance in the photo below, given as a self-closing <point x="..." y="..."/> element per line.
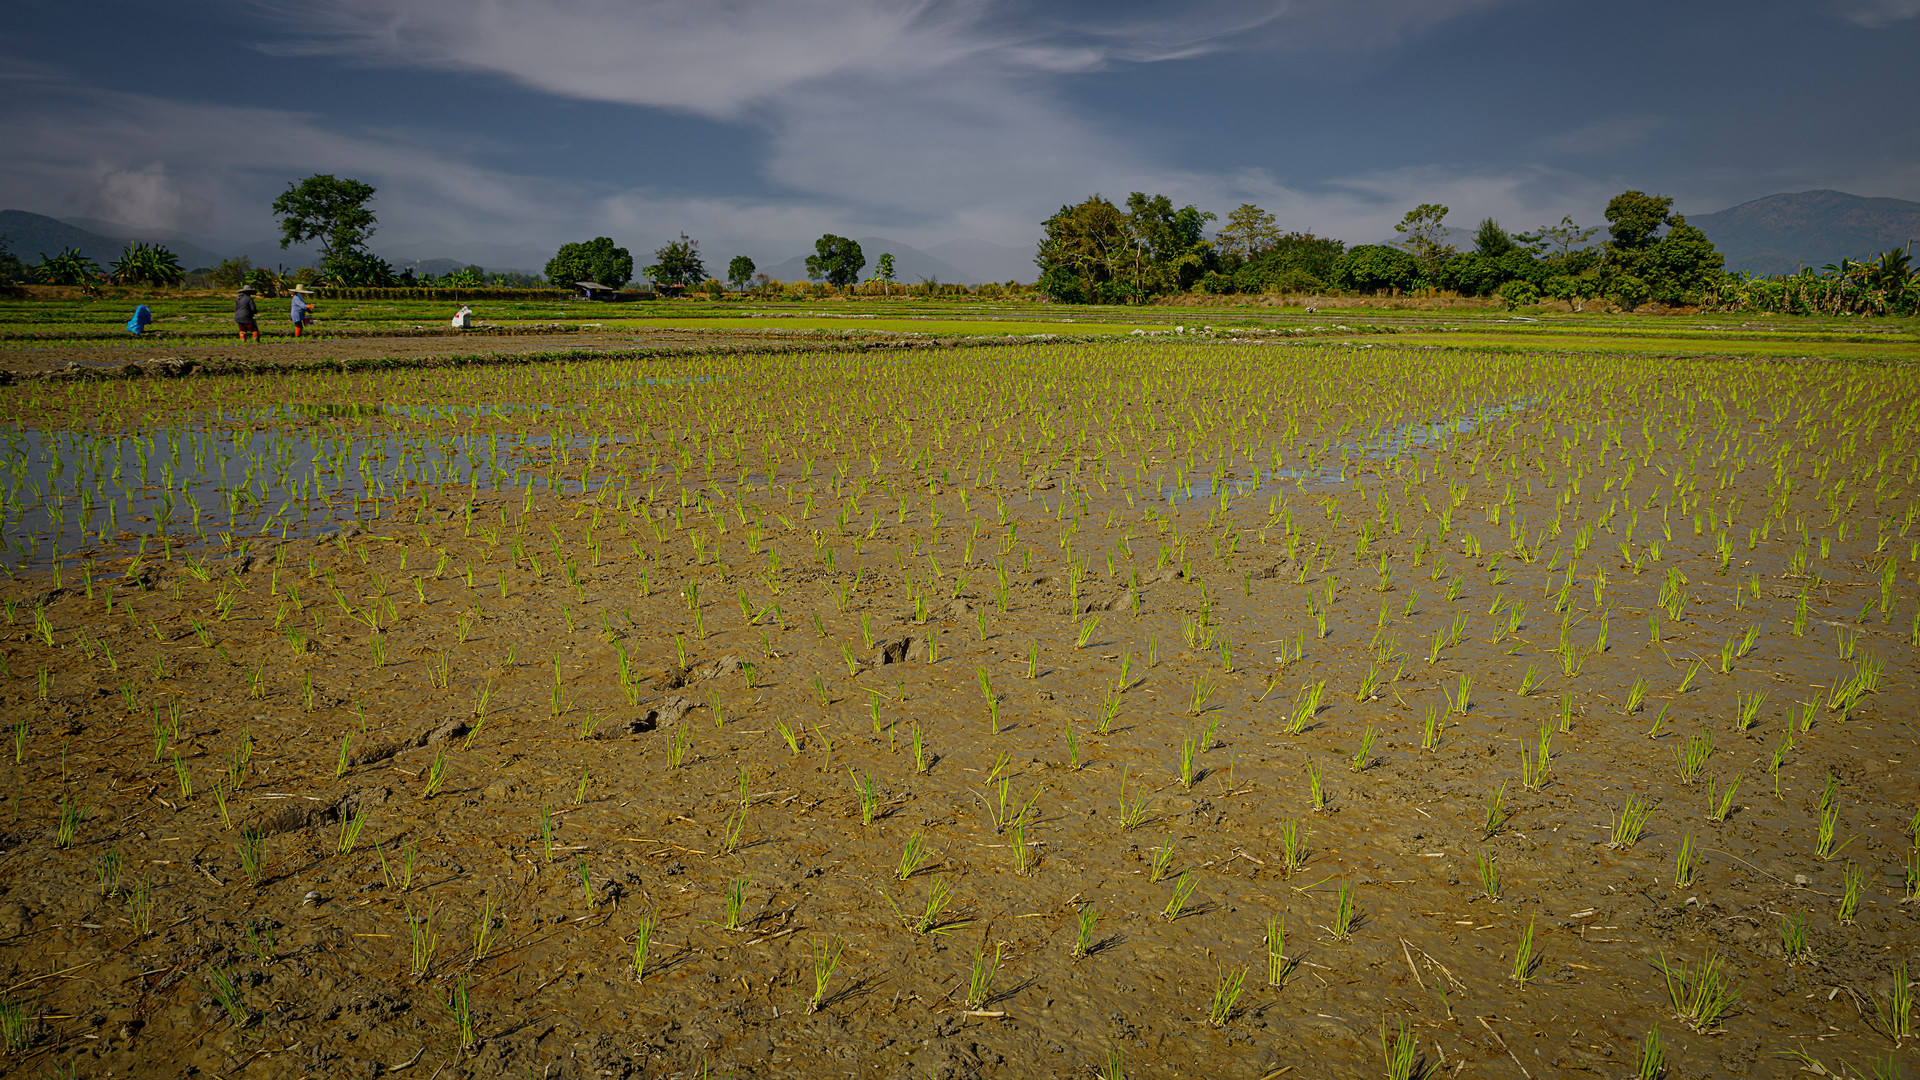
<point x="1611" y="344"/>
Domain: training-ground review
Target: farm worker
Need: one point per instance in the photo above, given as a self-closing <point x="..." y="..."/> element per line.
<point x="463" y="319"/>
<point x="141" y="317"/>
<point x="244" y="314"/>
<point x="302" y="310"/>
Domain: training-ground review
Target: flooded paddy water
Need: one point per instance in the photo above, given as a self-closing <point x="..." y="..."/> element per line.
<point x="1144" y="708"/>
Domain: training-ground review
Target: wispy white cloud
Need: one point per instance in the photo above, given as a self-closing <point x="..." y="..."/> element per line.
<point x="1877" y="13"/>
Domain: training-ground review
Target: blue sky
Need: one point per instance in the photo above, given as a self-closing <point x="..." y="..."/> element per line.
<point x="496" y="130"/>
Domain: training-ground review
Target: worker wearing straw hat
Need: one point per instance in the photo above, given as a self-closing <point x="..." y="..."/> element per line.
<point x="302" y="310"/>
<point x="245" y="313"/>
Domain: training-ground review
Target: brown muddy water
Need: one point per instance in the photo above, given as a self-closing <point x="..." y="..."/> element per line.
<point x="1039" y="698"/>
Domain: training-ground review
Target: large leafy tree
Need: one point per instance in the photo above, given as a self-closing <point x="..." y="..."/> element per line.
<point x="1641" y="263"/>
<point x="595" y="260"/>
<point x="1294" y="262"/>
<point x="1376" y="268"/>
<point x="1423" y="233"/>
<point x="836" y="259"/>
<point x="677" y="265"/>
<point x="1492" y="240"/>
<point x="1097" y="253"/>
<point x="1248" y="232"/>
<point x="740" y="272"/>
<point x="1082" y="251"/>
<point x="1170" y="247"/>
<point x="333" y="211"/>
<point x="883" y="272"/>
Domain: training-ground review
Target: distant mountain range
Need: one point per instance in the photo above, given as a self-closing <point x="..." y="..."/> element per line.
<point x="1779" y="234"/>
<point x="957" y="262"/>
<point x="31" y="235"/>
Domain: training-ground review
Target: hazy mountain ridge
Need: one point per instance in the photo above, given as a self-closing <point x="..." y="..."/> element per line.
<point x="1779" y="234"/>
<point x="31" y="235"/>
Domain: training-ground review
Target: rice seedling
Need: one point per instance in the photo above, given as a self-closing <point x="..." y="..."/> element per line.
<point x="1314" y="792"/>
<point x="1489" y="877"/>
<point x="1718" y="810"/>
<point x="980" y="980"/>
<point x="869" y="800"/>
<point x="400" y="874"/>
<point x="1683" y="863"/>
<point x="1850" y="882"/>
<point x="1659" y="721"/>
<point x="1794" y="944"/>
<point x="1825" y="834"/>
<point x="225" y="990"/>
<point x="483" y="929"/>
<point x="1651" y="1062"/>
<point x="1527" y="682"/>
<point x="643" y="943"/>
<point x="1636" y="695"/>
<point x="1343" y="914"/>
<point x="1524" y="961"/>
<point x="1749" y="709"/>
<point x="1182" y="892"/>
<point x="107" y="869"/>
<point x="736" y="900"/>
<point x="1306" y="705"/>
<point x="1430" y="730"/>
<point x="1495" y="812"/>
<point x="677" y="746"/>
<point x="251" y="847"/>
<point x="350" y="826"/>
<point x="732" y="831"/>
<point x="1202" y="691"/>
<point x="826" y="958"/>
<point x="1693" y="755"/>
<point x="1023" y="855"/>
<point x="1162" y="859"/>
<point x="1186" y="773"/>
<point x="1402" y="1054"/>
<point x="423" y="939"/>
<point x="1701" y="997"/>
<point x="460" y="1010"/>
<point x="14" y="1026"/>
<point x="1133" y="813"/>
<point x="1896" y="1012"/>
<point x="1083" y="923"/>
<point x="436" y="774"/>
<point x="1226" y="994"/>
<point x="1628" y="824"/>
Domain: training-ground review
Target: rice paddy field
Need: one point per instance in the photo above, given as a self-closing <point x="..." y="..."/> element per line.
<point x="1200" y="704"/>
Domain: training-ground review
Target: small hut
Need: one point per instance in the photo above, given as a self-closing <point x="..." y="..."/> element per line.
<point x="593" y="290"/>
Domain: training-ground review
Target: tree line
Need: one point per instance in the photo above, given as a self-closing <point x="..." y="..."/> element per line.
<point x="1099" y="252"/>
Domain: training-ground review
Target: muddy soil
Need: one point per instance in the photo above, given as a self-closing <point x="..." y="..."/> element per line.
<point x="284" y="348"/>
<point x="1016" y="682"/>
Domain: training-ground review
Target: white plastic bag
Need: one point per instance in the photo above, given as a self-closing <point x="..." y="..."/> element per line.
<point x="464" y="319"/>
